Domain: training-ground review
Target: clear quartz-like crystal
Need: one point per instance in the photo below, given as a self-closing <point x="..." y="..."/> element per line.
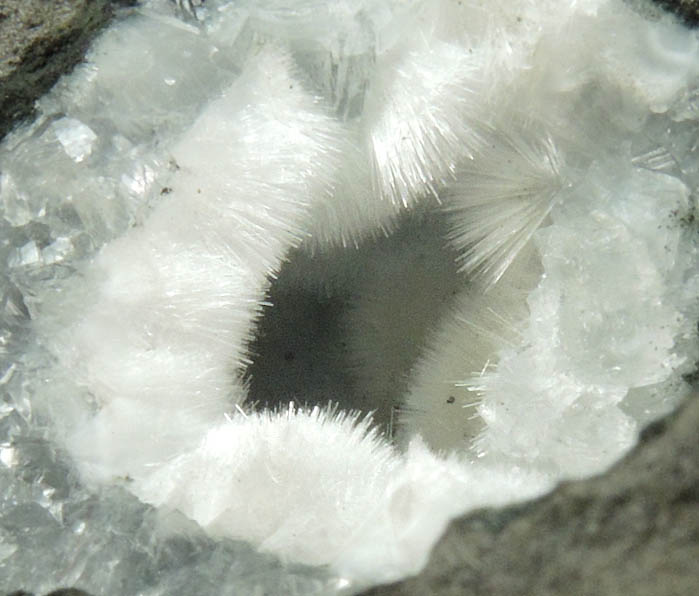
<point x="603" y="336"/>
<point x="76" y="138"/>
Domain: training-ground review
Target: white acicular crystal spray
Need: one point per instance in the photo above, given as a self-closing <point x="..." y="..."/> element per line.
<point x="499" y="200"/>
<point x="166" y="309"/>
<point x="418" y="117"/>
<point x="502" y="197"/>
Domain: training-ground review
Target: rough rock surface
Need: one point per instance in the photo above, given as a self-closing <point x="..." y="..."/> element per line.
<point x="634" y="530"/>
<point x="688" y="10"/>
<point x="39" y="41"/>
<point x="62" y="592"/>
<point x="42" y="39"/>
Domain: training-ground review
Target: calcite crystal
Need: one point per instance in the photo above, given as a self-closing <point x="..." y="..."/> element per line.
<point x="491" y="208"/>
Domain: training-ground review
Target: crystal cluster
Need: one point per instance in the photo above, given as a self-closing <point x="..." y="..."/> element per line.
<point x="534" y="168"/>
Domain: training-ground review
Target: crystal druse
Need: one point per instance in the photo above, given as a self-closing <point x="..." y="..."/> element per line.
<point x="492" y="204"/>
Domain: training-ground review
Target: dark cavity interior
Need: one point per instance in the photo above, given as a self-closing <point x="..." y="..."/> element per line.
<point x="323" y="339"/>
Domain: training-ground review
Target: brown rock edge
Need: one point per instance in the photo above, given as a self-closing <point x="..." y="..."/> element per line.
<point x="42" y="39"/>
<point x="39" y="41"/>
<point x="687" y="10"/>
<point x="631" y="531"/>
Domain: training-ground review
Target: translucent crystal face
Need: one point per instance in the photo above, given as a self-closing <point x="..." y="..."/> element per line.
<point x="476" y="222"/>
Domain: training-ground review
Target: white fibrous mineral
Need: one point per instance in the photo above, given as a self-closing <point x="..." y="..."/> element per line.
<point x="493" y="204"/>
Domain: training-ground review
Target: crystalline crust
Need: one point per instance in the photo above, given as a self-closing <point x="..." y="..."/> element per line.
<point x="535" y="165"/>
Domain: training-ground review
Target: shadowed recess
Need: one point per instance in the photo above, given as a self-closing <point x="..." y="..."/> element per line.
<point x="347" y="325"/>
